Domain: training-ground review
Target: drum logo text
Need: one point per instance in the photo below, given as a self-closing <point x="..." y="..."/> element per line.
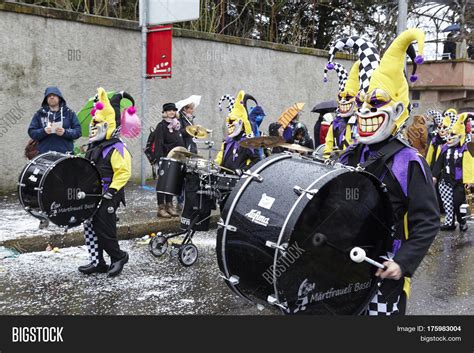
<point x="306" y="295"/>
<point x="257" y="218"/>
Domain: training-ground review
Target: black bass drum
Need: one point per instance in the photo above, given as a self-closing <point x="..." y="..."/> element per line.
<point x="269" y="244"/>
<point x="51" y="184"/>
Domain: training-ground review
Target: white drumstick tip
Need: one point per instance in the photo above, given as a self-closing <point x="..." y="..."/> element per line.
<point x="81" y="195"/>
<point x="358" y="255"/>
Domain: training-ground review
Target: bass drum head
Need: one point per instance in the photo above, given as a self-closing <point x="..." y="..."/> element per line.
<point x="61" y="184"/>
<point x="349" y="210"/>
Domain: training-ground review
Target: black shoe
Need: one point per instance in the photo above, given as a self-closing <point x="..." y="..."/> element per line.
<point x="463" y="227"/>
<point x="445" y="227"/>
<point x="91" y="268"/>
<point x="116" y="267"/>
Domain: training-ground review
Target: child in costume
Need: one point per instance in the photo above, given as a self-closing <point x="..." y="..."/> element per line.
<point x="385" y="106"/>
<point x="114" y="163"/>
<point x="232" y="155"/>
<point x="453" y="169"/>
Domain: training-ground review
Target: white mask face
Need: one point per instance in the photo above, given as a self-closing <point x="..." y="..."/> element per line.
<point x="235" y="129"/>
<point x="97" y="132"/>
<point x="345" y="107"/>
<point x="453" y="140"/>
<point x="376" y="117"/>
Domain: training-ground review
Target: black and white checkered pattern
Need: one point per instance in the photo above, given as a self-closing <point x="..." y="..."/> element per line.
<point x="342" y="75"/>
<point x="436" y="115"/>
<point x="368" y="55"/>
<point x="452" y="117"/>
<point x="230" y="99"/>
<point x="378" y="306"/>
<point x="92" y="243"/>
<point x="446" y="192"/>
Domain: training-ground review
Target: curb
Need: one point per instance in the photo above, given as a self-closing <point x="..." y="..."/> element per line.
<point x="25" y="243"/>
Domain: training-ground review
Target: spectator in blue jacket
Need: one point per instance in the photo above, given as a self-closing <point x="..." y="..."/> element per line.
<point x="55" y="126"/>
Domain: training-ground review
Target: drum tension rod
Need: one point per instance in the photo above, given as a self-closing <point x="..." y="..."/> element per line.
<point x="273" y="245"/>
<point x="228" y="226"/>
<point x="273" y="301"/>
<point x="299" y="190"/>
<point x="253" y="175"/>
<point x="233" y="280"/>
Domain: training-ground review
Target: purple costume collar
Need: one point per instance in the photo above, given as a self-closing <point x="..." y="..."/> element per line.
<point x="119" y="146"/>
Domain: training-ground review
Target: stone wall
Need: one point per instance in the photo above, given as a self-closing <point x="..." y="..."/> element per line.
<point x="43" y="47"/>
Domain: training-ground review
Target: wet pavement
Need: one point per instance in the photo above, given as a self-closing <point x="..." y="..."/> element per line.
<point x="49" y="283"/>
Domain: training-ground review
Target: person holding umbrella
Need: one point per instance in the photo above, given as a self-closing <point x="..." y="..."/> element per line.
<point x="186" y="118"/>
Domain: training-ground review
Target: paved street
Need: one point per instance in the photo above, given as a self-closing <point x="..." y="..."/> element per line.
<point x="49" y="283"/>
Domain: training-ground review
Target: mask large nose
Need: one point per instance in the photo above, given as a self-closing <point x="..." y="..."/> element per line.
<point x="363" y="110"/>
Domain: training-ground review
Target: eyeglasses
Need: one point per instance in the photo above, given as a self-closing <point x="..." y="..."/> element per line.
<point x="376" y="98"/>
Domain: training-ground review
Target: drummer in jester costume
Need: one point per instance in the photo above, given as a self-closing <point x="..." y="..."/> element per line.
<point x="114" y="163"/>
<point x="439" y="138"/>
<point x="385" y="108"/>
<point x="343" y="129"/>
<point x="454" y="168"/>
<point x="232" y="155"/>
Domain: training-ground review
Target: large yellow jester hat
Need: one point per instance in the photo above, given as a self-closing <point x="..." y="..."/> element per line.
<point x="390" y="75"/>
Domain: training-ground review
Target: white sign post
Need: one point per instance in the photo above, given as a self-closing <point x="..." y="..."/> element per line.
<point x="153" y="13"/>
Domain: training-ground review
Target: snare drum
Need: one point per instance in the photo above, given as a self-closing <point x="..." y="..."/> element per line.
<point x="268" y="244"/>
<point x="50" y="187"/>
<point x="171" y="173"/>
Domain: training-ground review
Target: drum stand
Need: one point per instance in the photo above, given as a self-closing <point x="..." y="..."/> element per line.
<point x="187" y="252"/>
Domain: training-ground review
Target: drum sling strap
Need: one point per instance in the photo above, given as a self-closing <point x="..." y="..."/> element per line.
<point x="379" y="164"/>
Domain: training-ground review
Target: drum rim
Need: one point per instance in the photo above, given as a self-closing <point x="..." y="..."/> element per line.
<point x="232" y="206"/>
<point x="170" y="159"/>
<point x="40" y="184"/>
<point x="339" y="171"/>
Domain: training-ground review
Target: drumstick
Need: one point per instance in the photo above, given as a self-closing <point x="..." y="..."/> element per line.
<point x="358" y="255"/>
<point x="227" y="169"/>
<point x="82" y="195"/>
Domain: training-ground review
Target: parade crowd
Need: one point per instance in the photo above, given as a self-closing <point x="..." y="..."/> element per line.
<point x="425" y="160"/>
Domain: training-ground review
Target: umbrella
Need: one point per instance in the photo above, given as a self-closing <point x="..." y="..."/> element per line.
<point x="289" y="114"/>
<point x="192" y="99"/>
<point x="325" y="107"/>
<point x="84" y="115"/>
<point x="455" y="27"/>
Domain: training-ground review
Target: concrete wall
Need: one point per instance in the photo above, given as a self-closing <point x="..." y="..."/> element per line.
<point x="35" y="53"/>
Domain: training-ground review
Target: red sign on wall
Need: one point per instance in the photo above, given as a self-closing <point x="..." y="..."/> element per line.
<point x="158" y="51"/>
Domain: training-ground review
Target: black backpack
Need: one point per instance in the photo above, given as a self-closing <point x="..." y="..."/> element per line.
<point x="150" y="147"/>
